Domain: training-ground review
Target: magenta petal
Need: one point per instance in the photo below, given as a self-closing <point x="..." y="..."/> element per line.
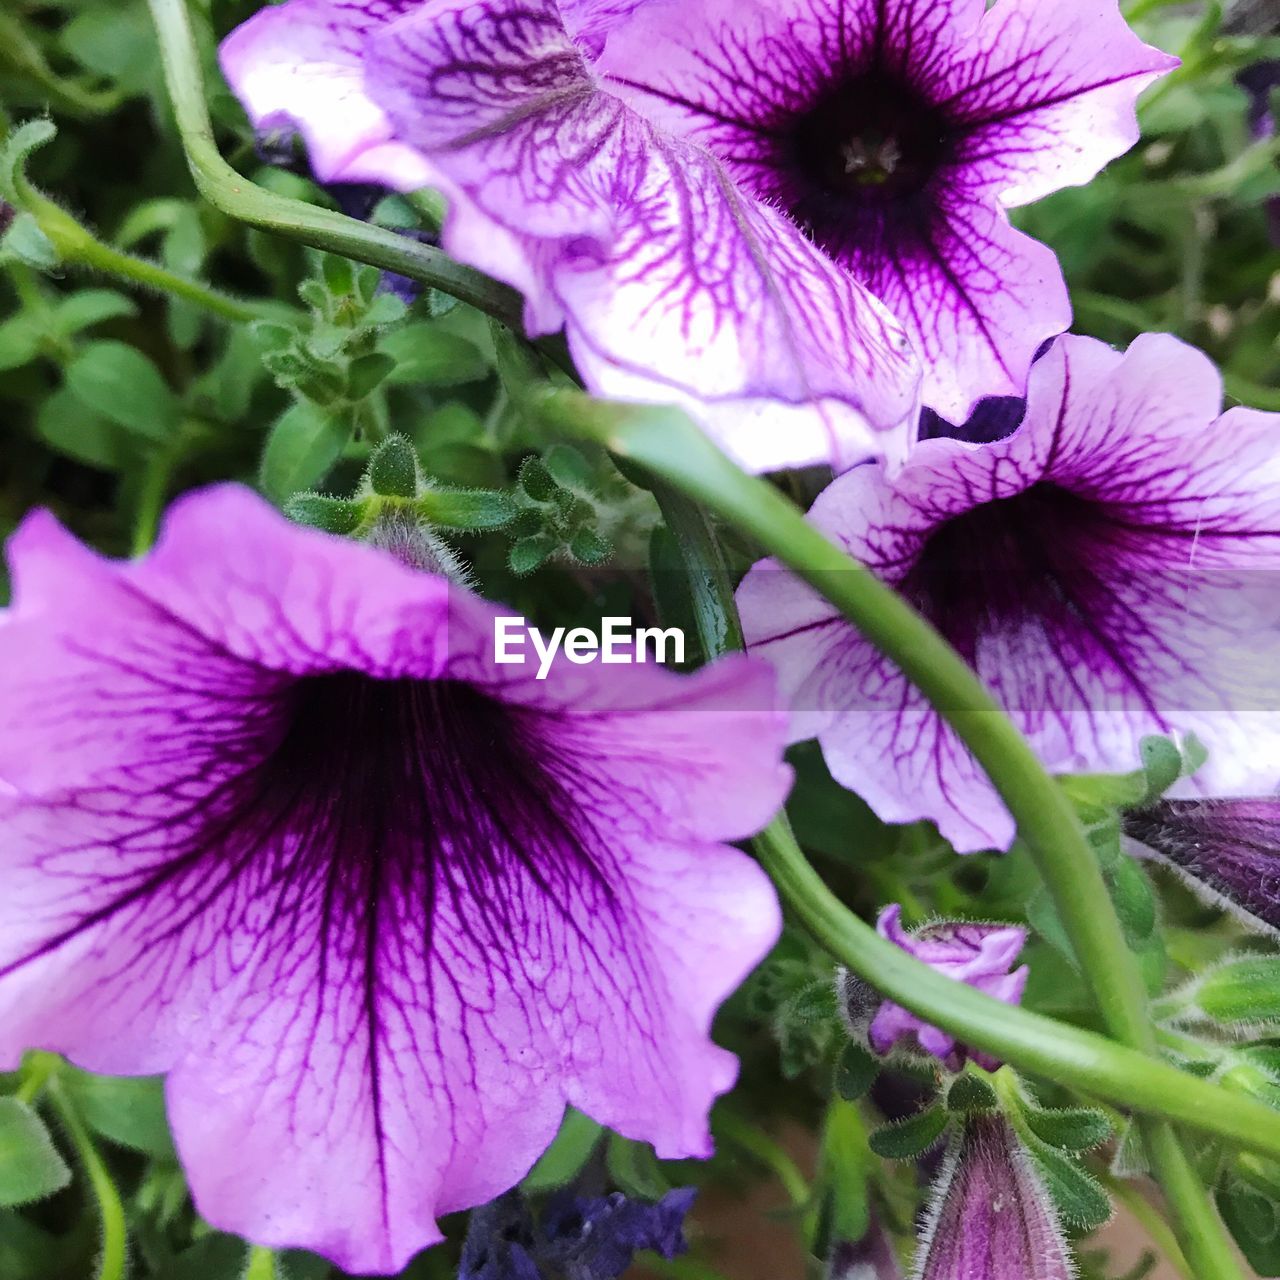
<point x="991" y="1218"/>
<point x="1106" y="568"/>
<point x="278" y="825"/>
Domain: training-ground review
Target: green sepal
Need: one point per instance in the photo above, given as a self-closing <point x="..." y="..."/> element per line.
<point x="971" y="1092"/>
<point x="907" y="1139"/>
<point x="856" y="1071"/>
<point x="589" y="548"/>
<point x="393" y="470"/>
<point x="467" y="509"/>
<point x="1079" y="1199"/>
<point x="1162" y="765"/>
<point x="530" y="554"/>
<point x="1244" y="990"/>
<point x="30" y="1166"/>
<point x="334" y="515"/>
<point x="537" y="481"/>
<point x="1069" y="1129"/>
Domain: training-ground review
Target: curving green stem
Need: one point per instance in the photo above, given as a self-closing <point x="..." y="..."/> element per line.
<point x="662" y="442"/>
<point x="112" y="1262"/>
<point x="239" y="198"/>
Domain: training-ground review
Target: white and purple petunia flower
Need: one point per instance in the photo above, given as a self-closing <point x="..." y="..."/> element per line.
<point x="275" y="823"/>
<point x="896" y="133"/>
<point x="1108" y="569"/>
<point x="977" y="954"/>
<point x="991" y="1216"/>
<point x="674" y="282"/>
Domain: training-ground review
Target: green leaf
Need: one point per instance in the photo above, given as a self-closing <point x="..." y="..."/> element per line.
<point x="89" y="307"/>
<point x="530" y="554"/>
<point x="426" y="355"/>
<point x="19" y="342"/>
<point x="1096" y="795"/>
<point x="856" y="1071"/>
<point x="567" y="466"/>
<point x="971" y="1092"/>
<point x="66" y="426"/>
<point x="537" y="481"/>
<point x="467" y="508"/>
<point x="129" y="1110"/>
<point x="635" y="1168"/>
<point x="1079" y="1199"/>
<point x="25" y="241"/>
<point x="564" y="1158"/>
<point x="588" y="547"/>
<point x="1246" y="989"/>
<point x="907" y="1139"/>
<point x="120" y="383"/>
<point x="1162" y="764"/>
<point x="1251" y="1220"/>
<point x="366" y="373"/>
<point x="1070" y="1129"/>
<point x="393" y="469"/>
<point x="15" y="152"/>
<point x="333" y="515"/>
<point x="30" y="1166"/>
<point x="302" y="447"/>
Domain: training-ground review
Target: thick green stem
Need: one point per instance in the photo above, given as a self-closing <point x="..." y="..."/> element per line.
<point x="111" y="1264"/>
<point x="241" y="199"/>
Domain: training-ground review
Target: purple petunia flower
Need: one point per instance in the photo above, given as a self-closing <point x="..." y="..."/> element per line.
<point x="275" y="823"/>
<point x="979" y="955"/>
<point x="896" y="132"/>
<point x="1108" y="570"/>
<point x="991" y="1217"/>
<point x="1227" y="851"/>
<point x="673" y="281"/>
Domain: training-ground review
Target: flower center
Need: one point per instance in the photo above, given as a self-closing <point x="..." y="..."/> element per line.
<point x="1043" y="557"/>
<point x="869" y="137"/>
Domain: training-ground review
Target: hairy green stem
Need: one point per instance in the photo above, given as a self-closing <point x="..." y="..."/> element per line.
<point x="111" y="1264"/>
<point x="241" y="199"/>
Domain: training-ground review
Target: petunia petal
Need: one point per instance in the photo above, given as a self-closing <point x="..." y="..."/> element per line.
<point x="379" y="906"/>
<point x="302" y="64"/>
<point x="675" y="286"/>
<point x="1107" y="569"/>
<point x="1054" y="97"/>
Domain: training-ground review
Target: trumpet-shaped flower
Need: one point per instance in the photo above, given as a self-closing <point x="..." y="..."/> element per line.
<point x="1108" y="569"/>
<point x="673" y="281"/>
<point x="277" y="824"/>
<point x="992" y="1217"/>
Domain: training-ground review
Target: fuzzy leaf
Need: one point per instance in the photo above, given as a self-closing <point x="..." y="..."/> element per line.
<point x="1079" y="1199"/>
<point x="970" y="1092"/>
<point x="1070" y="1129"/>
<point x="128" y="1110"/>
<point x="30" y="1166"/>
<point x="393" y="469"/>
<point x="907" y="1139"/>
<point x="425" y="355"/>
<point x="1243" y="990"/>
<point x="303" y="445"/>
<point x="855" y="1072"/>
<point x="467" y="508"/>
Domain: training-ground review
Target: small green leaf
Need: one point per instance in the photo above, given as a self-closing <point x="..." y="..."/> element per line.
<point x="271" y="338"/>
<point x="856" y="1071"/>
<point x="30" y="1166"/>
<point x="1079" y="1199"/>
<point x="366" y="373"/>
<point x="907" y="1139"/>
<point x="66" y="426"/>
<point x="588" y="547"/>
<point x="1246" y="989"/>
<point x="25" y="241"/>
<point x="333" y="515"/>
<point x="564" y="1158"/>
<point x="120" y="383"/>
<point x="339" y="274"/>
<point x="530" y="554"/>
<point x="424" y="355"/>
<point x="19" y="342"/>
<point x="567" y="466"/>
<point x="537" y="481"/>
<point x="393" y="470"/>
<point x="635" y="1168"/>
<point x="303" y="445"/>
<point x="15" y="152"/>
<point x="467" y="508"/>
<point x="1070" y="1129"/>
<point x="89" y="307"/>
<point x="129" y="1110"/>
<point x="1162" y="764"/>
<point x="970" y="1092"/>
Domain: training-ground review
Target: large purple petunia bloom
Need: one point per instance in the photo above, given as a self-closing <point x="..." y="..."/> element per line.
<point x="896" y="133"/>
<point x="991" y="1216"/>
<point x="673" y="281"/>
<point x="977" y="954"/>
<point x="275" y="823"/>
<point x="1108" y="569"/>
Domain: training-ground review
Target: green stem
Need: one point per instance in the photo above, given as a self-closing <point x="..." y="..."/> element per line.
<point x="261" y="1264"/>
<point x="241" y="199"/>
<point x="111" y="1265"/>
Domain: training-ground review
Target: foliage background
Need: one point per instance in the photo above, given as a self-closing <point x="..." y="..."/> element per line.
<point x="116" y="395"/>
